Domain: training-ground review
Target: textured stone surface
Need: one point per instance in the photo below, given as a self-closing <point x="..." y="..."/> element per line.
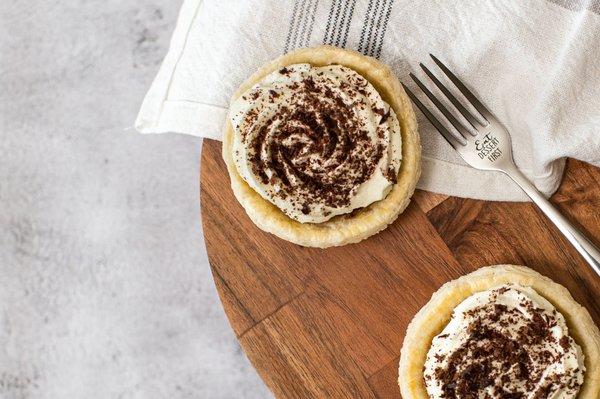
<point x="105" y="290"/>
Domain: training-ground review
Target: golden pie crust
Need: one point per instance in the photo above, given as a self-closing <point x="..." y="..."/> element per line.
<point x="434" y="316"/>
<point x="362" y="223"/>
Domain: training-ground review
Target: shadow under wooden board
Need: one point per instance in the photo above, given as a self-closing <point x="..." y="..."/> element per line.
<point x="330" y="323"/>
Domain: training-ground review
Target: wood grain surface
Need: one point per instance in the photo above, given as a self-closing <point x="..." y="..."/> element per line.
<point x="329" y="323"/>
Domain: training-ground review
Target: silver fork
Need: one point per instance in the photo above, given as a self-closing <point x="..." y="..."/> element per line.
<point x="484" y="143"/>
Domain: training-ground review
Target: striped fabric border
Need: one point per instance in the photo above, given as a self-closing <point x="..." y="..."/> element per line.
<point x="301" y="24"/>
<point x="337" y="29"/>
<point x="386" y="20"/>
<point x="338" y="22"/>
<point x="374" y="27"/>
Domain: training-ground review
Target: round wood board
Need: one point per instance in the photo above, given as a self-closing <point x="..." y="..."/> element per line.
<point x="329" y="323"/>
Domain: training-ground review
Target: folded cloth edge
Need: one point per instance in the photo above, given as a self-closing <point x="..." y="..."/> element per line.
<point x="151" y="112"/>
<point x="160" y="115"/>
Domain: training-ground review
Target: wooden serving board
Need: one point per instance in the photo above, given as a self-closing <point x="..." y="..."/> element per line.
<point x="330" y="323"/>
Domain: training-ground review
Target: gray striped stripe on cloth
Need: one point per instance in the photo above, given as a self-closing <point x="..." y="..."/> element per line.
<point x="338" y="24"/>
<point x="301" y="24"/>
<point x="339" y="19"/>
<point x="374" y="25"/>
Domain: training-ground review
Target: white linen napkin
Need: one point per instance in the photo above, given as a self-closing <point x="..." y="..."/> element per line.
<point x="534" y="63"/>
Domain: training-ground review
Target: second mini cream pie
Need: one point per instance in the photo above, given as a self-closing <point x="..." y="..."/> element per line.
<point x="501" y="332"/>
<point x="321" y="146"/>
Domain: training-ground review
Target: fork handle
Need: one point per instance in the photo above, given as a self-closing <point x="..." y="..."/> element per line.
<point x="582" y="244"/>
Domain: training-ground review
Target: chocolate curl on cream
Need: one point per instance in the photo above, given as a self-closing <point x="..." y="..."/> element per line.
<point x="316" y="141"/>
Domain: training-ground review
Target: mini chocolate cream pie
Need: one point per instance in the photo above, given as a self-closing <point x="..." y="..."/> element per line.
<point x="501" y="332"/>
<point x="322" y="148"/>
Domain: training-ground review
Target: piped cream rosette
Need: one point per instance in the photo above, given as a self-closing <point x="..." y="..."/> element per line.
<point x="501" y="330"/>
<point x="321" y="147"/>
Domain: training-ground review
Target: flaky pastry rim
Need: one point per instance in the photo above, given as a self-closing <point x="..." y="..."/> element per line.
<point x="435" y="315"/>
<point x="360" y="224"/>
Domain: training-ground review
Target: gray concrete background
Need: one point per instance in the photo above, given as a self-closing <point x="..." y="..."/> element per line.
<point x="105" y="290"/>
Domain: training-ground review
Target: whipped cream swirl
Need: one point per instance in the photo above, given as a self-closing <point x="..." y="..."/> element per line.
<point x="316" y="141"/>
<point x="507" y="342"/>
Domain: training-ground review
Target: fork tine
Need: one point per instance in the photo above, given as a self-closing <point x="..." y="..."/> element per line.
<point x="457" y="125"/>
<point x="450" y="138"/>
<point x="463" y="89"/>
<point x="464" y="112"/>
